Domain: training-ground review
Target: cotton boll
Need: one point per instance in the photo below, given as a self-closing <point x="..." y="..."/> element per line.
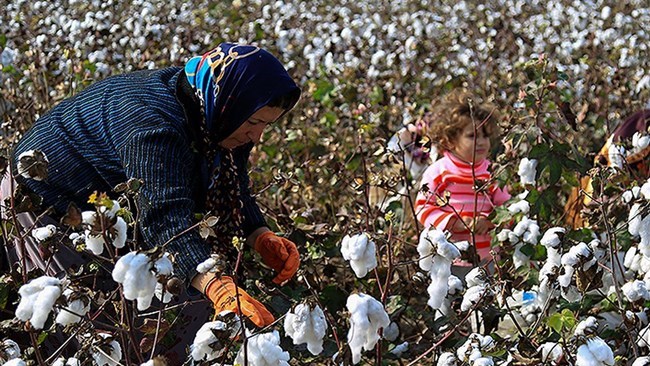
<point x="642" y="361"/>
<point x="635" y="291"/>
<point x="616" y="155"/>
<point x="94" y="243"/>
<point x="10" y="348"/>
<point x="391" y="332"/>
<point x="73" y="310"/>
<point x="634" y="219"/>
<point x="472" y="296"/>
<point x="120" y="233"/>
<point x="600" y="352"/>
<point x="43" y="233"/>
<point x="360" y="251"/>
<point x="483" y="361"/>
<point x="519" y="207"/>
<point x="475" y="277"/>
<point x="447" y="359"/>
<point x="15" y="362"/>
<point x="107" y="354"/>
<point x="519" y="259"/>
<point x="644" y="190"/>
<point x="137" y="274"/>
<point x="164" y="266"/>
<point x="454" y="285"/>
<point x="69" y="362"/>
<point x="37" y="299"/>
<point x="627" y="196"/>
<point x="207" y="265"/>
<point x="202" y="347"/>
<point x="367" y="315"/>
<point x="159" y="294"/>
<point x="527" y="171"/>
<point x="306" y="325"/>
<point x="400" y="349"/>
<point x="586" y="327"/>
<point x="551" y="238"/>
<point x="264" y="350"/>
<point x="551" y="352"/>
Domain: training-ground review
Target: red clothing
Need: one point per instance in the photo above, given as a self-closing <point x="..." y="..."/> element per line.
<point x="452" y="175"/>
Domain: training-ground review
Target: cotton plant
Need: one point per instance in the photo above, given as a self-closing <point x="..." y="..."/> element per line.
<point x="580" y="261"/>
<point x="106" y="351"/>
<point x="138" y="273"/>
<point x="594" y="351"/>
<point x="527" y="171"/>
<point x="263" y="349"/>
<point x="436" y="255"/>
<point x="454" y="288"/>
<point x="306" y="324"/>
<point x="104" y="222"/>
<point x="548" y="274"/>
<point x="212" y="339"/>
<point x="472" y="350"/>
<point x="642" y="361"/>
<point x="76" y="306"/>
<point x="360" y="251"/>
<point x="37" y="299"/>
<point x="367" y="316"/>
<point x="616" y="156"/>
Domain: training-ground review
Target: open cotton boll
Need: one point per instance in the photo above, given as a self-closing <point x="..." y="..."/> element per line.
<point x="551" y="237"/>
<point x="360" y="251"/>
<point x="627" y="196"/>
<point x="10" y="348"/>
<point x="264" y="350"/>
<point x="447" y="359"/>
<point x="37" y="299"/>
<point x="472" y="296"/>
<point x="440" y="272"/>
<point x="94" y="243"/>
<point x="72" y="311"/>
<point x="120" y="233"/>
<point x="43" y="233"/>
<point x="595" y="353"/>
<point x="137" y="274"/>
<point x="159" y="294"/>
<point x="207" y="265"/>
<point x="15" y="362"/>
<point x="434" y="243"/>
<point x="635" y="291"/>
<point x="551" y="352"/>
<point x="616" y="155"/>
<point x="642" y="361"/>
<point x="634" y="219"/>
<point x="63" y="362"/>
<point x="148" y="363"/>
<point x="202" y="348"/>
<point x="586" y="327"/>
<point x="107" y="354"/>
<point x="483" y="361"/>
<point x="519" y="207"/>
<point x="475" y="277"/>
<point x="472" y="349"/>
<point x="400" y="349"/>
<point x="367" y="316"/>
<point x="519" y="259"/>
<point x="644" y="190"/>
<point x="306" y="325"/>
<point x="527" y="171"/>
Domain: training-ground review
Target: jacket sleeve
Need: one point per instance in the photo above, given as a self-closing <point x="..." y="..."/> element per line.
<point x="162" y="158"/>
<point x="253" y="218"/>
<point x="426" y="204"/>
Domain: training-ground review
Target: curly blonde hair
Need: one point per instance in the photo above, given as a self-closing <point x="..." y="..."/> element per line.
<point x="454" y="111"/>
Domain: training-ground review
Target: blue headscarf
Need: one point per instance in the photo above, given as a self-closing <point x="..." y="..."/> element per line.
<point x="233" y="82"/>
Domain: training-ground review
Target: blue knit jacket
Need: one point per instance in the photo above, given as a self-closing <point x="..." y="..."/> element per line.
<point x="138" y="125"/>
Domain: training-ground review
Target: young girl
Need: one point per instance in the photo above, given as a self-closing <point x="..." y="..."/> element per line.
<point x="457" y="194"/>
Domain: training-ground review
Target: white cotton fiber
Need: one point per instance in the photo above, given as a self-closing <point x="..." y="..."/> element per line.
<point x="264" y="350"/>
<point x="306" y="325"/>
<point x="37" y="299"/>
<point x="361" y="252"/>
<point x="367" y="316"/>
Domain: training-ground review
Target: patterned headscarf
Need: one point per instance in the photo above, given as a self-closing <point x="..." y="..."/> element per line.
<point x="232" y="82"/>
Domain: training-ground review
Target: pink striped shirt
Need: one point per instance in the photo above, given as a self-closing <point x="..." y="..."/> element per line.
<point x="452" y="175"/>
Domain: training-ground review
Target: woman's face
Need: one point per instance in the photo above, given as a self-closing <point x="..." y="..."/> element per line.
<point x="464" y="144"/>
<point x="252" y="129"/>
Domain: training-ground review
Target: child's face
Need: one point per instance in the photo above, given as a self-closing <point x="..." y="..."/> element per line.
<point x="463" y="145"/>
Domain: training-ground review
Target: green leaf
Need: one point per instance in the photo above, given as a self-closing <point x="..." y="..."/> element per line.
<point x="555" y="170"/>
<point x="4" y="295"/>
<point x="555" y="322"/>
<point x="323" y="89"/>
<point x="3" y="40"/>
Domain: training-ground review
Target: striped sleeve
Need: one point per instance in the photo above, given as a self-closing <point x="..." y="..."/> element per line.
<point x="426" y="208"/>
<point x="499" y="195"/>
<point x="165" y="201"/>
<point x="253" y="218"/>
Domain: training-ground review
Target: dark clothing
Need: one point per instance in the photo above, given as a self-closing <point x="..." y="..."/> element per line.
<point x="134" y="126"/>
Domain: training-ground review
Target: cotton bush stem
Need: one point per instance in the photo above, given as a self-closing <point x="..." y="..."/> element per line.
<point x="449" y="332"/>
<point x="366" y="185"/>
<point x="408" y="189"/>
<point x="241" y="315"/>
<point x="160" y="311"/>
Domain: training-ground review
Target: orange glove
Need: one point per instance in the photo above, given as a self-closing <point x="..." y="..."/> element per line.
<point x="222" y="291"/>
<point x="278" y="253"/>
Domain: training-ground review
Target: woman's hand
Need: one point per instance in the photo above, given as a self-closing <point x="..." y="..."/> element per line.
<point x="278" y="253"/>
